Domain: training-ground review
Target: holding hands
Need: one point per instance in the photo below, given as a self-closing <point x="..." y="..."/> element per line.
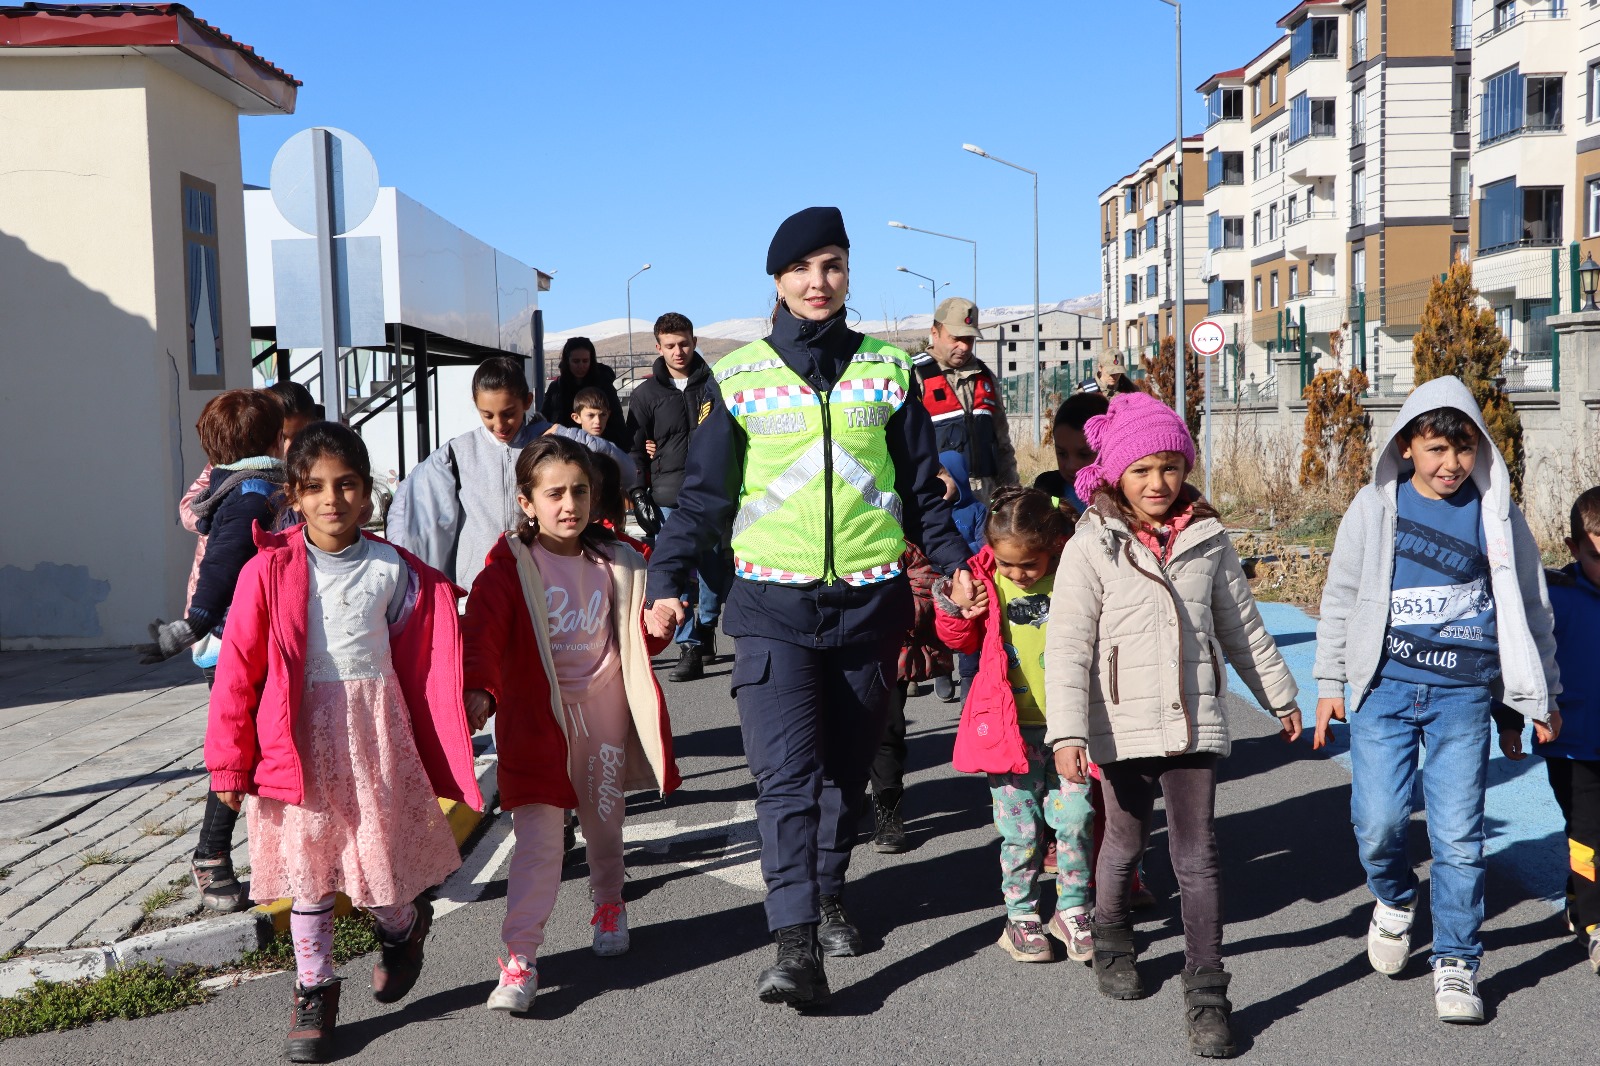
<point x="969" y="595"/>
<point x="662" y="618"/>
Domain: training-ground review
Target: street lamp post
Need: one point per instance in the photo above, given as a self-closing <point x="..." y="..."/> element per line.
<point x="950" y="237"/>
<point x="1179" y="336"/>
<point x="635" y="274"/>
<point x="933" y="287"/>
<point x="1038" y="429"/>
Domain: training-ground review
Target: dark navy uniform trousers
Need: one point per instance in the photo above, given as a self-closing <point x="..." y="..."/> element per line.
<point x="812" y="719"/>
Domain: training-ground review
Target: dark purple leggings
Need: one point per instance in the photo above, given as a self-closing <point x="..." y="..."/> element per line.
<point x="1189" y="785"/>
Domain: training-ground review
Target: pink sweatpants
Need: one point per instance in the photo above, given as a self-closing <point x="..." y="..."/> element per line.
<point x="597" y="733"/>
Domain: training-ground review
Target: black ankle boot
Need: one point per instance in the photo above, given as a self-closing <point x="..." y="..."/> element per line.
<point x="837" y="935"/>
<point x="691" y="664"/>
<point x="1206" y="1007"/>
<point x="1114" y="958"/>
<point x="707" y="636"/>
<point x="311" y="1025"/>
<point x="889" y="838"/>
<point x="796" y="977"/>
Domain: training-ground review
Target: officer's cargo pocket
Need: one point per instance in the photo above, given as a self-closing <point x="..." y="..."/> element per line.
<point x="751" y="669"/>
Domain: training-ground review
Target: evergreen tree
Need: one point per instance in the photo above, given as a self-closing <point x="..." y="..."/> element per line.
<point x="1336" y="448"/>
<point x="1459" y="337"/>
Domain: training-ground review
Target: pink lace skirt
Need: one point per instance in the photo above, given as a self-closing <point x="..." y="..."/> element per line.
<point x="368" y="824"/>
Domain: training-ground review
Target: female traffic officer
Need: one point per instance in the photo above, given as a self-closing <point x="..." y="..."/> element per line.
<point x="820" y="458"/>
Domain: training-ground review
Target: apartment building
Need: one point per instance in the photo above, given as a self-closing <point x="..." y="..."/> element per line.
<point x="1535" y="164"/>
<point x="1068" y="342"/>
<point x="1136" y="218"/>
<point x="1335" y="184"/>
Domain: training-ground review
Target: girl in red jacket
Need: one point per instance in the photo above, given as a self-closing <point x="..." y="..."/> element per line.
<point x="555" y="646"/>
<point x="1002" y="725"/>
<point x="337" y="707"/>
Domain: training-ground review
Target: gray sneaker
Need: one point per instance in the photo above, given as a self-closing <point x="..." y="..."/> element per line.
<point x="1389" y="938"/>
<point x="1594" y="951"/>
<point x="1455" y="992"/>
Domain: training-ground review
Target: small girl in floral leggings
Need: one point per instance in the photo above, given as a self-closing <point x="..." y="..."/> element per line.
<point x="1002" y="725"/>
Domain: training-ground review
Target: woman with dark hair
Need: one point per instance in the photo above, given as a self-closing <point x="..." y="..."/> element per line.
<point x="582" y="369"/>
<point x="820" y="458"/>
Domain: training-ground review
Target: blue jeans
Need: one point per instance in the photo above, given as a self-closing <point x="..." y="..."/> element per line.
<point x="705" y="613"/>
<point x="1452" y="723"/>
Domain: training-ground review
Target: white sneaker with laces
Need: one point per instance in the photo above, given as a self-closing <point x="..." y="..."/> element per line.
<point x="1389" y="938"/>
<point x="1455" y="992"/>
<point x="610" y="923"/>
<point x="519" y="982"/>
<point x="1594" y="951"/>
<point x="1072" y="929"/>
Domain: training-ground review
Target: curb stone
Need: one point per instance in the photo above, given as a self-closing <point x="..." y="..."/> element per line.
<point x="212" y="941"/>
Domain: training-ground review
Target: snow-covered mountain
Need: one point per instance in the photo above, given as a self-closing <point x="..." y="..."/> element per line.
<point x="749" y="329"/>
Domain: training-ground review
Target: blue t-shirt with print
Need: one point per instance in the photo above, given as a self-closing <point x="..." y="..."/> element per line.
<point x="1441" y="607"/>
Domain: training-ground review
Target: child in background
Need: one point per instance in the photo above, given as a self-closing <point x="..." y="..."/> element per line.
<point x="922" y="657"/>
<point x="458" y="501"/>
<point x="967" y="510"/>
<point x="591" y="410"/>
<point x="241" y="431"/>
<point x="345" y="737"/>
<point x="1002" y="728"/>
<point x="1072" y="447"/>
<point x="1434" y="606"/>
<point x="556" y="649"/>
<point x="1149" y="598"/>
<point x="1572" y="760"/>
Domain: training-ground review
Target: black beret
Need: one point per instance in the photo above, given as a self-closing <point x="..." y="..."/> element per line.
<point x="803" y="233"/>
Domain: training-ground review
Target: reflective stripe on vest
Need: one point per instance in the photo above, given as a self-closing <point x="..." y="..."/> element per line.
<point x="817" y="501"/>
<point x="975" y="440"/>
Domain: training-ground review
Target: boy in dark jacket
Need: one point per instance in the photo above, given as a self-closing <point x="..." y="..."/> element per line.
<point x="663" y="413"/>
<point x="1572" y="758"/>
<point x="242" y="434"/>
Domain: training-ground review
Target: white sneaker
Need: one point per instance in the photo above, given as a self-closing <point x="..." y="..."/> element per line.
<point x="610" y="923"/>
<point x="1455" y="992"/>
<point x="1072" y="929"/>
<point x="1594" y="951"/>
<point x="1389" y="938"/>
<point x="519" y="982"/>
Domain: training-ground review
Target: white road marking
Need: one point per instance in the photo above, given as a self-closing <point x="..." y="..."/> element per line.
<point x="459" y="889"/>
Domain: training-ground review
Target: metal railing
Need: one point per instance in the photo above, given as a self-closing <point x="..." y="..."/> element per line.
<point x="1524" y="242"/>
<point x="1462" y="37"/>
<point x="1525" y="14"/>
<point x="1459" y="119"/>
<point x="1358" y="51"/>
<point x="1533" y="372"/>
<point x="1460" y="204"/>
<point x="1358" y="134"/>
<point x="1358" y="214"/>
<point x="1312" y="216"/>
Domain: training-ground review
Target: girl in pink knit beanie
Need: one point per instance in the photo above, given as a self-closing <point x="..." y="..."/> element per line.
<point x="1149" y="603"/>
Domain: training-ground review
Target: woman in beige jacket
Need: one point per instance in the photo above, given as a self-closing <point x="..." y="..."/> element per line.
<point x="1149" y="598"/>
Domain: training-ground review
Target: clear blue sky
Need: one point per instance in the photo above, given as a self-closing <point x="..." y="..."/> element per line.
<point x="588" y="138"/>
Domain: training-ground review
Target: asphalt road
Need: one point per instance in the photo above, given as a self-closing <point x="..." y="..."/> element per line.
<point x="933" y="988"/>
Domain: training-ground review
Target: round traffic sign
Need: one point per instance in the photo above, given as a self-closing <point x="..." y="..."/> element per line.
<point x="1208" y="338"/>
<point x="354" y="174"/>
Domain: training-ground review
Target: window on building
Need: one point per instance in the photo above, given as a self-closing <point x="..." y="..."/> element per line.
<point x="1504" y="97"/>
<point x="1358" y="197"/>
<point x="1085" y="345"/>
<point x="1255" y="92"/>
<point x="1130" y="290"/>
<point x="1214" y="231"/>
<point x="1152" y="281"/>
<point x="1510" y="217"/>
<point x="1591" y="200"/>
<point x="1272" y="87"/>
<point x="1358" y="115"/>
<point x="1460" y="101"/>
<point x="1015" y="328"/>
<point x="1294" y="282"/>
<point x="1274" y="152"/>
<point x="1255" y="163"/>
<point x="1224" y="104"/>
<point x="1258" y="292"/>
<point x="1460" y="187"/>
<point x="1011" y="346"/>
<point x="1130" y="203"/>
<point x="1153" y="328"/>
<point x="1130" y="243"/>
<point x="1505" y="13"/>
<point x="203" y="309"/>
<point x="1255" y="228"/>
<point x="1272" y="222"/>
<point x="1310" y="118"/>
<point x="1151" y="239"/>
<point x="1225" y="297"/>
<point x="1291" y="206"/>
<point x="1543" y="111"/>
<point x="1233" y="232"/>
<point x="1358" y="35"/>
<point x="1358" y="269"/>
<point x="1593" y="83"/>
<point x="1315" y="38"/>
<point x="1011" y="368"/>
<point x="1274" y="288"/>
<point x="1224" y="168"/>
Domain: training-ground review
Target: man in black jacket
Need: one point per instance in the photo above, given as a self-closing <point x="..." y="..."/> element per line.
<point x="663" y="413"/>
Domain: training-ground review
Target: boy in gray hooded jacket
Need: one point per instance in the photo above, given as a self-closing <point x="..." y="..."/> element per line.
<point x="1434" y="608"/>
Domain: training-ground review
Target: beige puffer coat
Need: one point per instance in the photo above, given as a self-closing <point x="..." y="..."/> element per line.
<point x="1134" y="650"/>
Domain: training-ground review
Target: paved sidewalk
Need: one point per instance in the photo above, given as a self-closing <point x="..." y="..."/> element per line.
<point x="102" y="784"/>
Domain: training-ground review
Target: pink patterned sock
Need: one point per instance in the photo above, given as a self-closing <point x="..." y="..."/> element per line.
<point x="395" y="922"/>
<point x="311" y="929"/>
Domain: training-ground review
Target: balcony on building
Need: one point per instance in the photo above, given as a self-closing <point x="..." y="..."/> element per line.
<point x="1314" y="38"/>
<point x="1512" y="217"/>
<point x="1313" y="233"/>
<point x="1314" y="149"/>
<point x="1224" y="104"/>
<point x="1225" y="297"/>
<point x="1508" y="15"/>
<point x="1224" y="168"/>
<point x="1513" y="104"/>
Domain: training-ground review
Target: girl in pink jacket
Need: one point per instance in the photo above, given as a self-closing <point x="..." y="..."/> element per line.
<point x="337" y="707"/>
<point x="1002" y="725"/>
